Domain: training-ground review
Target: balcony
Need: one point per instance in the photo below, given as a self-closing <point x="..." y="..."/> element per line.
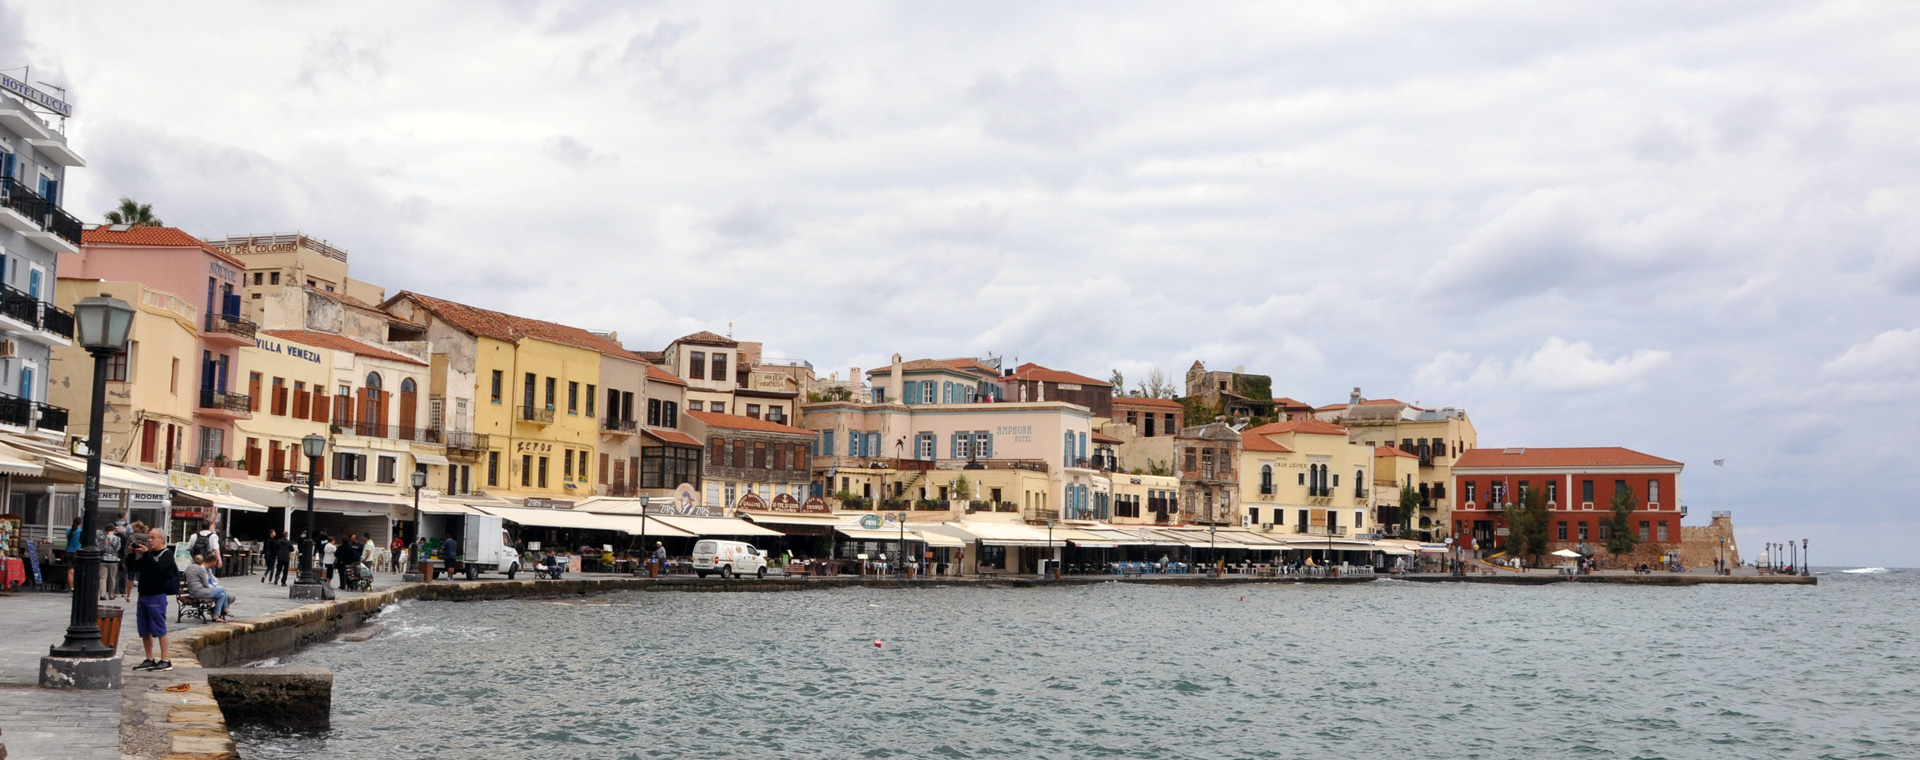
<point x="623" y="490"/>
<point x="463" y="445"/>
<point x="1266" y="489"/>
<point x="537" y="415"/>
<point x="227" y="328"/>
<point x="19" y="307"/>
<point x="1040" y="515"/>
<point x="1359" y="492"/>
<point x="56" y="320"/>
<point x="233" y="406"/>
<point x="15" y="410"/>
<point x="1323" y="531"/>
<point x="294" y="477"/>
<point x="28" y="214"/>
<point x="623" y="427"/>
<point x="54" y="418"/>
<point x="1319" y="492"/>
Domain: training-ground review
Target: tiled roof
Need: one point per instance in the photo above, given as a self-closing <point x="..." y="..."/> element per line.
<point x="169" y="237"/>
<point x="1291" y="403"/>
<point x="1329" y="407"/>
<point x="963" y="364"/>
<point x="1599" y="456"/>
<point x="657" y="375"/>
<point x="652" y="357"/>
<point x="1251" y="441"/>
<point x="704" y="338"/>
<point x="342" y="343"/>
<point x="1099" y="437"/>
<point x="1031" y="371"/>
<point x="512" y="329"/>
<point x="737" y="422"/>
<point x="669" y="435"/>
<point x="1143" y="401"/>
<point x="1389" y="451"/>
<point x="1306" y="426"/>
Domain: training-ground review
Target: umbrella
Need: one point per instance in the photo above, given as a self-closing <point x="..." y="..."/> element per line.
<point x="1568" y="553"/>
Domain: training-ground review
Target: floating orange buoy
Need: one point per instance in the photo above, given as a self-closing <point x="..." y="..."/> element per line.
<point x="876" y="643"/>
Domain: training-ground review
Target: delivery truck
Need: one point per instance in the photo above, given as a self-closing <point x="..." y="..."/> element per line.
<point x="485" y="547"/>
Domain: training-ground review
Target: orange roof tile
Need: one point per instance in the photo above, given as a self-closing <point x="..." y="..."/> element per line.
<point x="1031" y="371"/>
<point x="704" y="338"/>
<point x="1144" y="401"/>
<point x="1291" y="403"/>
<point x="1306" y="426"/>
<point x="513" y="329"/>
<point x="1251" y="441"/>
<point x="166" y="237"/>
<point x="1099" y="437"/>
<point x="1389" y="451"/>
<point x="342" y="343"/>
<point x="1597" y="456"/>
<point x="737" y="422"/>
<point x="963" y="364"/>
<point x="657" y="375"/>
<point x="669" y="435"/>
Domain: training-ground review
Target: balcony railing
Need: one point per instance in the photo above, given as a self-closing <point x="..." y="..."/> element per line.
<point x="1359" y="492"/>
<point x="48" y="216"/>
<point x="620" y="426"/>
<point x="623" y="489"/>
<point x="294" y="477"/>
<point x="462" y="440"/>
<point x="537" y="414"/>
<point x="19" y="306"/>
<point x="56" y="320"/>
<point x="1266" y="489"/>
<point x="52" y="417"/>
<point x="231" y="325"/>
<point x="1322" y="530"/>
<point x="232" y="402"/>
<point x="15" y="410"/>
<point x="1319" y="492"/>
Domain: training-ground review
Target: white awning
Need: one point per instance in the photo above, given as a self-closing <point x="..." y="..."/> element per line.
<point x="1118" y="537"/>
<point x="714" y="526"/>
<point x="223" y="501"/>
<point x="437" y="507"/>
<point x="432" y="459"/>
<point x="112" y="475"/>
<point x="1084" y="539"/>
<point x="792" y="518"/>
<point x="1006" y="534"/>
<point x="938" y="540"/>
<point x="577" y="520"/>
<point x="349" y="502"/>
<point x="12" y="466"/>
<point x="877" y="535"/>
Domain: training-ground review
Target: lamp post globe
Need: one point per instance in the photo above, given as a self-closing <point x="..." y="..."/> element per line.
<point x="101" y="325"/>
<point x="309" y="586"/>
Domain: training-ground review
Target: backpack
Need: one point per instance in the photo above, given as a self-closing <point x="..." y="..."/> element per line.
<point x="201" y="544"/>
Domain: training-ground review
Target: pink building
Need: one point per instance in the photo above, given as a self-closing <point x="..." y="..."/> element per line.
<point x="164" y="258"/>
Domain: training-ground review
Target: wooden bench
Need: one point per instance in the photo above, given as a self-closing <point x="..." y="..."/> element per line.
<point x="198" y="608"/>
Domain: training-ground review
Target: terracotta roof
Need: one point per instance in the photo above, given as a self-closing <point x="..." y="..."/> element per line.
<point x="924" y="365"/>
<point x="168" y="237"/>
<point x="1389" y="451"/>
<point x="1143" y="401"/>
<point x="1099" y="437"/>
<point x="1031" y="371"/>
<point x="653" y="357"/>
<point x="1251" y="441"/>
<point x="1599" y="456"/>
<point x="1291" y="402"/>
<point x="737" y="422"/>
<point x="669" y="435"/>
<point x="1329" y="407"/>
<point x="704" y="338"/>
<point x="1306" y="426"/>
<point x="342" y="343"/>
<point x="657" y="375"/>
<point x="512" y="329"/>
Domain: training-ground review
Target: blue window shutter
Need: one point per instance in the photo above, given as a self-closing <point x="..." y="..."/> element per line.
<point x="826" y="443"/>
<point x="873" y="445"/>
<point x="986" y="440"/>
<point x="1083" y="446"/>
<point x="908" y="392"/>
<point x="953" y="445"/>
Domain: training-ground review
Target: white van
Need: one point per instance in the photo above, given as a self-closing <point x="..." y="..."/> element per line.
<point x="728" y="558"/>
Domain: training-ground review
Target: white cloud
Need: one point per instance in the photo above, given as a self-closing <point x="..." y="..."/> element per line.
<point x="1558" y="366"/>
<point x="1894" y="354"/>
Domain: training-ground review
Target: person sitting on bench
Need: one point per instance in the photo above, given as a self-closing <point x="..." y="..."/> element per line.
<point x="200" y="583"/>
<point x="553" y="566"/>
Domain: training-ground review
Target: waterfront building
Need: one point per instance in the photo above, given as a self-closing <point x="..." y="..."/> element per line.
<point x="1435" y="437"/>
<point x="746" y="456"/>
<point x="1208" y="457"/>
<point x="1145" y="429"/>
<point x="151" y="397"/>
<point x="1032" y="382"/>
<point x="1303" y="478"/>
<point x="1142" y="499"/>
<point x="35" y="231"/>
<point x="281" y="260"/>
<point x="170" y="261"/>
<point x="1236" y="396"/>
<point x="536" y="422"/>
<point x="929" y="382"/>
<point x="1580" y="484"/>
<point x="669" y="457"/>
<point x="768" y="390"/>
<point x="706" y="362"/>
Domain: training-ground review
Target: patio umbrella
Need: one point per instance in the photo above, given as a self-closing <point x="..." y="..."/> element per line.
<point x="1568" y="553"/>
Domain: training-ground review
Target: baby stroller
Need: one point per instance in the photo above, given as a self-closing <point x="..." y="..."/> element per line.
<point x="359" y="577"/>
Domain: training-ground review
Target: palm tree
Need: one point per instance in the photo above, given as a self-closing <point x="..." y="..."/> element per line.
<point x="134" y="213"/>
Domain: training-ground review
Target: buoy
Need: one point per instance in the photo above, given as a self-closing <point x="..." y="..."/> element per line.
<point x="1243" y="598"/>
<point x="876" y="643"/>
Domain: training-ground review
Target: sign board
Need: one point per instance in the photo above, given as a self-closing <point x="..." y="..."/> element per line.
<point x="684" y="498"/>
<point x="752" y="502"/>
<point x="870" y="522"/>
<point x="768" y="381"/>
<point x="784" y="502"/>
<point x="194" y="482"/>
<point x="789" y="504"/>
<point x="533" y="503"/>
<point x="1501" y="532"/>
<point x="189" y="514"/>
<point x="33" y="95"/>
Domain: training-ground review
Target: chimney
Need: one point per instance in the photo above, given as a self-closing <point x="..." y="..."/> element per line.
<point x="896" y="384"/>
<point x="1354" y="400"/>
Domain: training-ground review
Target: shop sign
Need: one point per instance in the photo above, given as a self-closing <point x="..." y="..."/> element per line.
<point x="870" y="522"/>
<point x="1502" y="532"/>
<point x="815" y="505"/>
<point x="141" y="497"/>
<point x="751" y="502"/>
<point x="533" y="503"/>
<point x="784" y="502"/>
<point x="194" y="482"/>
<point x="189" y="514"/>
<point x="769" y="381"/>
<point x="33" y="95"/>
<point x="274" y="346"/>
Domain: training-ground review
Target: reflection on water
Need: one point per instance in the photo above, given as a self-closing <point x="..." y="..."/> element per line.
<point x="1390" y="669"/>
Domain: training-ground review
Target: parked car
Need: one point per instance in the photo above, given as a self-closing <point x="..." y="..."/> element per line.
<point x="728" y="558"/>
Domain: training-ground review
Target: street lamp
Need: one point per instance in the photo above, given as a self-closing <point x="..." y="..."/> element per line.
<point x="1050" y="547"/>
<point x="309" y="586"/>
<point x="82" y="661"/>
<point x="1805" y="567"/>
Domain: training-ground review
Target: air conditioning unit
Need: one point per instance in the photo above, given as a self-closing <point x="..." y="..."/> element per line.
<point x="1266" y="527"/>
<point x="8" y="349"/>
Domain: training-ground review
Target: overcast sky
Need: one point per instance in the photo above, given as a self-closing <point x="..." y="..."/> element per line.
<point x="1685" y="228"/>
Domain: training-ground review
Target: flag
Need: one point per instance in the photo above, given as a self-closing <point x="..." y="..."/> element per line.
<point x="1719" y="462"/>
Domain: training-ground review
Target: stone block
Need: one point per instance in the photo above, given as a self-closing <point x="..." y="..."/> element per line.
<point x="85" y="673"/>
<point x="299" y="698"/>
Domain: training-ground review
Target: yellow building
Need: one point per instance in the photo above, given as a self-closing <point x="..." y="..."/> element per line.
<point x="1303" y="478"/>
<point x="1435" y="437"/>
<point x="536" y="417"/>
<point x="152" y="391"/>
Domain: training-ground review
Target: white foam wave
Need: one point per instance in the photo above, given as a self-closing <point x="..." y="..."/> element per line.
<point x="1867" y="570"/>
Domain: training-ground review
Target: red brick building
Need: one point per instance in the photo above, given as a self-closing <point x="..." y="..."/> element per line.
<point x="1580" y="484"/>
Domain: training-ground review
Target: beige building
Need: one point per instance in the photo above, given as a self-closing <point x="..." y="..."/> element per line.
<point x="1435" y="437"/>
<point x="292" y="260"/>
<point x="1304" y="478"/>
<point x="152" y="391"/>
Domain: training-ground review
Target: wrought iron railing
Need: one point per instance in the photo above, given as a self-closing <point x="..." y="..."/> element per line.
<point x="620" y="426"/>
<point x="232" y="325"/>
<point x="48" y="216"/>
<point x="538" y="414"/>
<point x="51" y="417"/>
<point x="232" y="402"/>
<point x="56" y="320"/>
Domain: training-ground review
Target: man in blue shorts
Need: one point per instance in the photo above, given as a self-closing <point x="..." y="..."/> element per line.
<point x="158" y="578"/>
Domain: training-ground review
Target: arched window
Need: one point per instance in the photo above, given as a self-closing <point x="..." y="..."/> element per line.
<point x="1266" y="478"/>
<point x="373" y="379"/>
<point x="406" y="385"/>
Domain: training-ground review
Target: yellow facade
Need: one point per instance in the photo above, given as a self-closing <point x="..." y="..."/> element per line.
<point x="269" y="440"/>
<point x="160" y="382"/>
<point x="1278" y="487"/>
<point x="536" y="457"/>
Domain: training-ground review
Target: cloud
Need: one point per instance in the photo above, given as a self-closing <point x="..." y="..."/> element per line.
<point x="1558" y="366"/>
<point x="1033" y="106"/>
<point x="569" y="150"/>
<point x="1894" y="354"/>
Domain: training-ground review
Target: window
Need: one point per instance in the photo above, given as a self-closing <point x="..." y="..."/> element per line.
<point x="1170" y="426"/>
<point x="1620" y="487"/>
<point x="1133" y="418"/>
<point x="695" y="405"/>
<point x="670" y="415"/>
<point x="923" y="447"/>
<point x="1192" y="456"/>
<point x="740" y="454"/>
<point x="117" y="365"/>
<point x="173" y="377"/>
<point x="1553" y="495"/>
<point x="1206" y="463"/>
<point x="526" y="470"/>
<point x="962" y="446"/>
<point x="273" y="278"/>
<point x="1643" y="530"/>
<point x="1583" y="530"/>
<point x="1663" y="530"/>
<point x="543" y="472"/>
<point x="1266" y="480"/>
<point x="553" y="385"/>
<point x="719" y="366"/>
<point x="929" y="393"/>
<point x="697" y="365"/>
<point x="760" y="455"/>
<point x="566" y="465"/>
<point x="499" y="379"/>
<point x="1562" y="528"/>
<point x="526" y="390"/>
<point x="1653" y="497"/>
<point x="280" y="396"/>
<point x="717" y="452"/>
<point x="653" y="412"/>
<point x="717" y="408"/>
<point x="1586" y="491"/>
<point x="302" y="400"/>
<point x="259" y="277"/>
<point x="493" y="469"/>
<point x="590" y="391"/>
<point x="753" y="410"/>
<point x="387" y="467"/>
<point x="1605" y="532"/>
<point x="573" y="397"/>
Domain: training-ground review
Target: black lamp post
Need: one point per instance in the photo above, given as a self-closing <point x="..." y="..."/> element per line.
<point x="1805" y="568"/>
<point x="412" y="574"/>
<point x="82" y="661"/>
<point x="309" y="586"/>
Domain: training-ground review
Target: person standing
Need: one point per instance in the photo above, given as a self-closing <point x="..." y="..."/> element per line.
<point x="327" y="553"/>
<point x="450" y="555"/>
<point x="138" y="537"/>
<point x="110" y="547"/>
<point x="73" y="549"/>
<point x="267" y="549"/>
<point x="660" y="556"/>
<point x="158" y="578"/>
<point x="347" y="556"/>
<point x="394" y="558"/>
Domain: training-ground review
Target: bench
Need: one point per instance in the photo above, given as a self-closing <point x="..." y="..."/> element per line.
<point x="987" y="570"/>
<point x="198" y="608"/>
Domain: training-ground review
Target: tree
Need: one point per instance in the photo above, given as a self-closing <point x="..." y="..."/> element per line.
<point x="1155" y="386"/>
<point x="1119" y="383"/>
<point x="962" y="489"/>
<point x="1163" y="467"/>
<point x="1198" y="413"/>
<point x="134" y="213"/>
<point x="1620" y="536"/>
<point x="1409" y="501"/>
<point x="1527" y="524"/>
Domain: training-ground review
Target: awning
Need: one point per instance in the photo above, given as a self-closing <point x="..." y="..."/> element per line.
<point x="877" y="535"/>
<point x="221" y="500"/>
<point x="1006" y="534"/>
<point x="1338" y="544"/>
<point x="1117" y="536"/>
<point x="1396" y="550"/>
<point x="112" y="475"/>
<point x="432" y="459"/>
<point x="1182" y="538"/>
<point x="348" y="502"/>
<point x="938" y="540"/>
<point x="437" y="507"/>
<point x="794" y="518"/>
<point x="714" y="526"/>
<point x="1159" y="538"/>
<point x="13" y="466"/>
<point x="577" y="520"/>
<point x="1085" y="539"/>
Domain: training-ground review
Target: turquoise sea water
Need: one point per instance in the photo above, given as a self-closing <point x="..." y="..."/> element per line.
<point x="1385" y="669"/>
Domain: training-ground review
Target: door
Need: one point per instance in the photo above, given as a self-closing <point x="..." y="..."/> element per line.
<point x="27" y="378"/>
<point x="34" y="277"/>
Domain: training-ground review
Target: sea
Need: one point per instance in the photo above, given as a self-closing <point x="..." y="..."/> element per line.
<point x="1384" y="669"/>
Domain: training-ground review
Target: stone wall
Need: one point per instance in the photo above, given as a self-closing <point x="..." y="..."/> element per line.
<point x="1700" y="544"/>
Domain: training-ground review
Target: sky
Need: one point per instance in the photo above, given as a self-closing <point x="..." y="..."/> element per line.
<point x="1688" y="228"/>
